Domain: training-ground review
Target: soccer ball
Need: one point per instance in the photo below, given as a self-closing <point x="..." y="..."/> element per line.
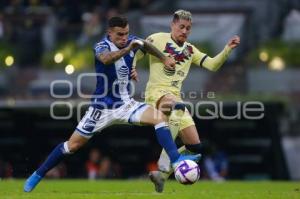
<point x="187" y="172"/>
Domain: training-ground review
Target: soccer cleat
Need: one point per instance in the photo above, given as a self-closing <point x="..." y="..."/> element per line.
<point x="157" y="180"/>
<point x="195" y="158"/>
<point x="31" y="182"/>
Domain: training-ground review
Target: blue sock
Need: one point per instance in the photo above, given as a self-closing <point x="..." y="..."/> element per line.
<point x="165" y="139"/>
<point x="53" y="159"/>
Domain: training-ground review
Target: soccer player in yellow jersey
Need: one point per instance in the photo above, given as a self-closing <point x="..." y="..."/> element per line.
<point x="164" y="85"/>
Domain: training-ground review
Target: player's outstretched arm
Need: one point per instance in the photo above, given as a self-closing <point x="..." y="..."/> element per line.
<point x="216" y="62"/>
<point x="234" y="42"/>
<point x="167" y="61"/>
<point x="108" y="57"/>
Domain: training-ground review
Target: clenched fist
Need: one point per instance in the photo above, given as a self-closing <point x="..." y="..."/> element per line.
<point x="234" y="42"/>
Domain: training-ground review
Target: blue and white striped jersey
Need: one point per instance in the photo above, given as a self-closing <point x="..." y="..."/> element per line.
<point x="113" y="80"/>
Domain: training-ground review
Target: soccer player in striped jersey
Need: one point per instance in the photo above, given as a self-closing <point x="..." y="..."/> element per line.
<point x="111" y="103"/>
<point x="164" y="85"/>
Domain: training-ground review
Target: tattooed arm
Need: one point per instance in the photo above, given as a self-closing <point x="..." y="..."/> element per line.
<point x="109" y="57"/>
<point x="151" y="49"/>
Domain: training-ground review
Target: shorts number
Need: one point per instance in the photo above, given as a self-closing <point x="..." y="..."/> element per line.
<point x="96" y="114"/>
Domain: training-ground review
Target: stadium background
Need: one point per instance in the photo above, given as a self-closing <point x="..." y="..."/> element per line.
<point x="44" y="41"/>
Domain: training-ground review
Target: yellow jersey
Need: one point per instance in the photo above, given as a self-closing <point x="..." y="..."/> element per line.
<point x="184" y="56"/>
<point x="162" y="81"/>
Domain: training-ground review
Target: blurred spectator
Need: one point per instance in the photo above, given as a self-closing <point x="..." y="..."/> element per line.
<point x="33" y="5"/>
<point x="107" y="169"/>
<point x="152" y="161"/>
<point x="152" y="166"/>
<point x="215" y="164"/>
<point x="57" y="172"/>
<point x="1" y="26"/>
<point x="29" y="36"/>
<point x="49" y="32"/>
<point x="134" y="11"/>
<point x="126" y="5"/>
<point x="6" y="170"/>
<point x="111" y="13"/>
<point x="15" y="7"/>
<point x="93" y="164"/>
<point x="60" y="10"/>
<point x="101" y="167"/>
<point x="92" y="28"/>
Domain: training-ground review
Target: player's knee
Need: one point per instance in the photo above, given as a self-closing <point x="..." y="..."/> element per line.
<point x="74" y="146"/>
<point x="178" y="106"/>
<point x="195" y="148"/>
<point x="169" y="98"/>
<point x="165" y="105"/>
<point x="161" y="117"/>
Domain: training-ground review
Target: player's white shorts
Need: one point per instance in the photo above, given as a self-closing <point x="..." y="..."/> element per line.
<point x="95" y="119"/>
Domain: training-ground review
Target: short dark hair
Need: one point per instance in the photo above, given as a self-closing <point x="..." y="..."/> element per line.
<point x="117" y="21"/>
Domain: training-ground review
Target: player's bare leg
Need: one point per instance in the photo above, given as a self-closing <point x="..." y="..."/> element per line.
<point x="188" y="135"/>
<point x="191" y="139"/>
<point x="75" y="142"/>
<point x="158" y="177"/>
<point x="152" y="117"/>
<point x="156" y="118"/>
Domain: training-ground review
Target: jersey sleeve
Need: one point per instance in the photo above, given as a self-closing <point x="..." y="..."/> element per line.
<point x="133" y="37"/>
<point x="198" y="57"/>
<point x="138" y="55"/>
<point x="141" y="52"/>
<point x="100" y="48"/>
<point x="153" y="39"/>
<point x="214" y="63"/>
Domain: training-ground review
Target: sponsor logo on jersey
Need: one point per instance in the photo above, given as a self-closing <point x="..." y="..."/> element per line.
<point x="175" y="83"/>
<point x="150" y="39"/>
<point x="180" y="73"/>
<point x="169" y="72"/>
<point x="123" y="71"/>
<point x="89" y="125"/>
<point x="179" y="57"/>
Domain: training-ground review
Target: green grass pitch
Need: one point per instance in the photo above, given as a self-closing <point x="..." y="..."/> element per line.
<point x="126" y="189"/>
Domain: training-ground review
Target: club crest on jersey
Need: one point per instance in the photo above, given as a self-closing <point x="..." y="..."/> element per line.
<point x="179" y="57"/>
<point x="180" y="73"/>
